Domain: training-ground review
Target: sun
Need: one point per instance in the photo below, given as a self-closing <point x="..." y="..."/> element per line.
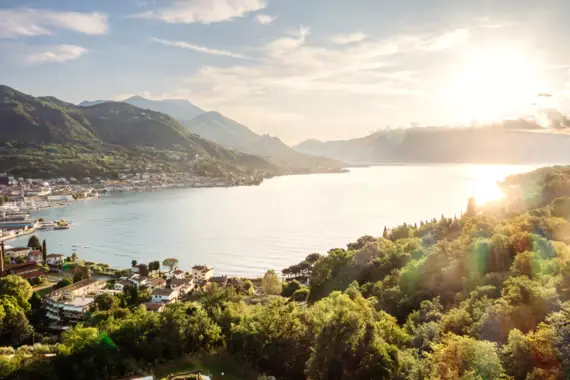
<point x="494" y="84"/>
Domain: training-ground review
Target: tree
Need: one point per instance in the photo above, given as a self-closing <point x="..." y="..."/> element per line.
<point x="385" y="233"/>
<point x="17" y="287"/>
<point x="81" y="273"/>
<point x="171" y="263"/>
<point x="305" y="266"/>
<point x="295" y="269"/>
<point x="44" y="251"/>
<point x="270" y="284"/>
<point x="286" y="272"/>
<point x="14" y="325"/>
<point x="313" y="258"/>
<point x="133" y="263"/>
<point x="154" y="266"/>
<point x="34" y="243"/>
<point x="143" y="270"/>
<point x="471" y="207"/>
<point x="74" y="256"/>
<point x="63" y="283"/>
<point x="290" y="287"/>
<point x="106" y="302"/>
<point x="459" y="357"/>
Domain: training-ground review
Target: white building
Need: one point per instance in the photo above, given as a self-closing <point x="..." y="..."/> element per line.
<point x="178" y="274"/>
<point x="22" y="252"/>
<point x="55" y="259"/>
<point x="70" y="304"/>
<point x="183" y="286"/>
<point x="122" y="284"/>
<point x="36" y="256"/>
<point x="164" y="295"/>
<point x="202" y="272"/>
<point x="138" y="280"/>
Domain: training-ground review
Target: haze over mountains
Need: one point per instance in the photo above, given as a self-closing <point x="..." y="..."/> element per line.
<point x="516" y="142"/>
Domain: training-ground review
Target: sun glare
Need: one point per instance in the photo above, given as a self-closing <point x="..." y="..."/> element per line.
<point x="494" y="84"/>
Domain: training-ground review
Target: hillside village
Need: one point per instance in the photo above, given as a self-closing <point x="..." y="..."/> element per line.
<point x="83" y="281"/>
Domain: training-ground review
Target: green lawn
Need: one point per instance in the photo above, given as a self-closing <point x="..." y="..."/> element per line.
<point x="213" y="365"/>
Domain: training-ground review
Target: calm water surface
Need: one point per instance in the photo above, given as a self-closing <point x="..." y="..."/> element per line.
<point x="247" y="230"/>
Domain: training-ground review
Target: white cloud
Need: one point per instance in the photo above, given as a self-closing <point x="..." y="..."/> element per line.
<point x="264" y="19"/>
<point x="21" y="22"/>
<point x="343" y="39"/>
<point x="200" y="49"/>
<point x="56" y="53"/>
<point x="292" y="41"/>
<point x="203" y="11"/>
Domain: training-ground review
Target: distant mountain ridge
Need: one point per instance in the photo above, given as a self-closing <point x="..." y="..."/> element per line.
<point x="27" y="121"/>
<point x="227" y="132"/>
<point x="220" y="129"/>
<point x="179" y="109"/>
<point x="509" y="142"/>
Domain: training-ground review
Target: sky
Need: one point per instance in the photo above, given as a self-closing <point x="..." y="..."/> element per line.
<point x="298" y="69"/>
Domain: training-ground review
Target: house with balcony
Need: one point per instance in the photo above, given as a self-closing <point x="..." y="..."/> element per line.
<point x="71" y="304"/>
<point x="164" y="295"/>
<point x="122" y="284"/>
<point x="55" y="259"/>
<point x="156" y="282"/>
<point x="36" y="257"/>
<point x="18" y="252"/>
<point x="202" y="273"/>
<point x="183" y="286"/>
<point x="137" y="280"/>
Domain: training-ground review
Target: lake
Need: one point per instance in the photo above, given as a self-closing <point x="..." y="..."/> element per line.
<point x="246" y="230"/>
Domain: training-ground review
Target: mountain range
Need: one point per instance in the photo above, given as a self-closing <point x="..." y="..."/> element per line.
<point x="516" y="142"/>
<point x="30" y="124"/>
<point x="229" y="133"/>
<point x="177" y="108"/>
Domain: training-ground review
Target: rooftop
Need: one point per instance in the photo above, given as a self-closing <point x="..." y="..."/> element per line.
<point x="77" y="301"/>
<point x="73" y="287"/>
<point x="54" y="255"/>
<point x="152" y="306"/>
<point x="181" y="281"/>
<point x="157" y="281"/>
<point x="202" y="268"/>
<point x="19" y="249"/>
<point x="163" y="291"/>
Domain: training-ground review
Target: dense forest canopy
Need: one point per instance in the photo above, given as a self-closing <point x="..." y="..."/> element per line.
<point x="482" y="296"/>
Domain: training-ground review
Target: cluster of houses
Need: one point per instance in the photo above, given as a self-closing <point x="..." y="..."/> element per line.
<point x="72" y="304"/>
<point x="174" y="286"/>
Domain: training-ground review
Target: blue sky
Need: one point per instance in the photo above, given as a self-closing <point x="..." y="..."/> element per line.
<point x="297" y="69"/>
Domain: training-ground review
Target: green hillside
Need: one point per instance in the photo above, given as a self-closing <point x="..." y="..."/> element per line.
<point x="31" y="127"/>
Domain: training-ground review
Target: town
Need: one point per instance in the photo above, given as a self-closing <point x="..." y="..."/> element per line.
<point x="70" y="286"/>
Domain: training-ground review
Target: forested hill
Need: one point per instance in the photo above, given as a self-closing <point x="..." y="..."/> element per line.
<point x="482" y="296"/>
<point x="30" y="122"/>
<point x="500" y="144"/>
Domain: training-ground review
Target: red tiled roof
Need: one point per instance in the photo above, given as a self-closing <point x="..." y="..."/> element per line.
<point x="34" y="274"/>
<point x="150" y="306"/>
<point x="18" y="249"/>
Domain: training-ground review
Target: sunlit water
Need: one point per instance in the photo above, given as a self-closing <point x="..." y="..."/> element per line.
<point x="247" y="230"/>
